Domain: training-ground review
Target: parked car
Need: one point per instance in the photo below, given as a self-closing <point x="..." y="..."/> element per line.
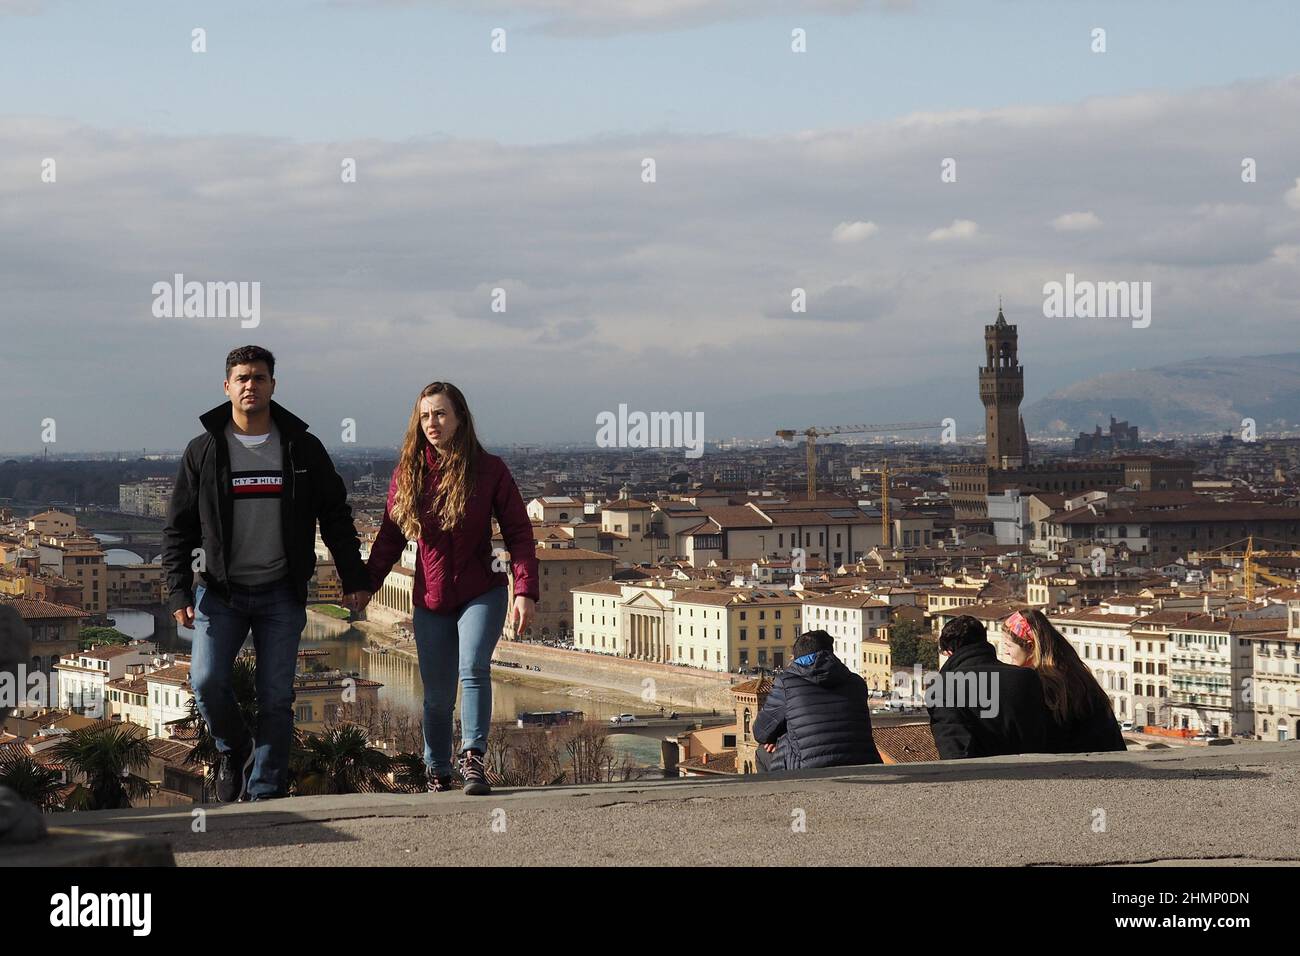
<point x="1206" y="736"/>
<point x="1126" y="725"/>
<point x="623" y="719"/>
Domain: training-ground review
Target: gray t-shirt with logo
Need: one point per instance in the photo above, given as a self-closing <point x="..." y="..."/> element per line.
<point x="256" y="483"/>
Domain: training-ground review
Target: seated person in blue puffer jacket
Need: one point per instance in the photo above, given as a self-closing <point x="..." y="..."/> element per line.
<point x="817" y="714"/>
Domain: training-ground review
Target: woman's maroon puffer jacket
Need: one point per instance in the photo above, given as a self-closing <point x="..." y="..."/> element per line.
<point x="455" y="566"/>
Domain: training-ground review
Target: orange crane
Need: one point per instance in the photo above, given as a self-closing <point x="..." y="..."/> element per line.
<point x="1248" y="569"/>
<point x="818" y="431"/>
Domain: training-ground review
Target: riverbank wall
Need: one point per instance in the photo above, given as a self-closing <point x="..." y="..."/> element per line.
<point x="653" y="684"/>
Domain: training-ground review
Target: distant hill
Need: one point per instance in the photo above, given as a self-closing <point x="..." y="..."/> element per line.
<point x="1199" y="395"/>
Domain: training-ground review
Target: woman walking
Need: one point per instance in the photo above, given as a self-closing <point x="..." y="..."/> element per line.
<point x="444" y="493"/>
<point x="1083" y="719"/>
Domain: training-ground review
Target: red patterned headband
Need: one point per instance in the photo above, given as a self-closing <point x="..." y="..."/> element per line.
<point x="1020" y="627"/>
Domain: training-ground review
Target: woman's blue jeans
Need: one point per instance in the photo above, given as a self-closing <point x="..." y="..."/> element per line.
<point x="451" y="646"/>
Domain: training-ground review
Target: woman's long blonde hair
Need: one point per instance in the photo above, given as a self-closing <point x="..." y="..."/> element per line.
<point x="1069" y="689"/>
<point x="457" y="467"/>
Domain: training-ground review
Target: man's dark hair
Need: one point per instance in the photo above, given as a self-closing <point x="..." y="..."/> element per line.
<point x="247" y="355"/>
<point x="961" y="632"/>
<point x="810" y="642"/>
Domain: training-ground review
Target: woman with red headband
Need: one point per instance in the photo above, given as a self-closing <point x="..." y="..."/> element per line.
<point x="1083" y="719"/>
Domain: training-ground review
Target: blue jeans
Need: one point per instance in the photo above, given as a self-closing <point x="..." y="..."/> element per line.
<point x="452" y="645"/>
<point x="276" y="619"/>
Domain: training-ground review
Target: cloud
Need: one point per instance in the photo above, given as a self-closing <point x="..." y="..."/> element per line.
<point x="1076" y="222"/>
<point x="854" y="231"/>
<point x="668" y="294"/>
<point x="1293" y="195"/>
<point x="960" y="229"/>
<point x="1287" y="254"/>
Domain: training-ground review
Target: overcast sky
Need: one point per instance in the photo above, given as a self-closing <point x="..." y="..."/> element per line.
<point x="522" y="171"/>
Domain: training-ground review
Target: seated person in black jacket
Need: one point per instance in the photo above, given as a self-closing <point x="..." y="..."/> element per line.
<point x="984" y="707"/>
<point x="1083" y="720"/>
<point x="817" y="713"/>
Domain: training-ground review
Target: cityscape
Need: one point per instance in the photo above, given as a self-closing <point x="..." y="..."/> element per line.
<point x="1172" y="567"/>
<point x="841" y="437"/>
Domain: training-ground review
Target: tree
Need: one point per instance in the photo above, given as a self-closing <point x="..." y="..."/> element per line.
<point x="590" y="757"/>
<point x="106" y="755"/>
<point x="341" y="761"/>
<point x="410" y="773"/>
<point x="927" y="651"/>
<point x="90" y="636"/>
<point x="399" y="728"/>
<point x="32" y="782"/>
<point x="904" y="643"/>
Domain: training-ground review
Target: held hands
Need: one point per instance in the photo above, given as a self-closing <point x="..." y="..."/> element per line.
<point x="184" y="617"/>
<point x="770" y="748"/>
<point x="521" y="615"/>
<point x="356" y="600"/>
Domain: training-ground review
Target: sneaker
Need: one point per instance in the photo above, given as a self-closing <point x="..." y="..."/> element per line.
<point x="475" y="774"/>
<point x="438" y="783"/>
<point x="233" y="770"/>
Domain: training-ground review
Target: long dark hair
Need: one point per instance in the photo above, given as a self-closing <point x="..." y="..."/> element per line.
<point x="1069" y="689"/>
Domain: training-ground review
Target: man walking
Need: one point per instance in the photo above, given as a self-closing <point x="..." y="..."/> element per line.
<point x="239" y="549"/>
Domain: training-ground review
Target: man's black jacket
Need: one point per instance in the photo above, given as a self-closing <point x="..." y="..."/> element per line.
<point x="201" y="514"/>
<point x="1021" y="724"/>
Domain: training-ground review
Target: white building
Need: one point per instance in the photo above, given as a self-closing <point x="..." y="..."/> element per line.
<point x="1276" y="680"/>
<point x="83" y="677"/>
<point x="128" y="698"/>
<point x="1009" y="512"/>
<point x="149" y="497"/>
<point x="169" y="696"/>
<point x="1210" y="661"/>
<point x="702" y="628"/>
<point x="850" y="619"/>
<point x="596" y="617"/>
<point x="555" y="508"/>
<point x="1103" y="642"/>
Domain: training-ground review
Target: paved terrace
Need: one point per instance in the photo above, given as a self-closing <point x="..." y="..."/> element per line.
<point x="1224" y="805"/>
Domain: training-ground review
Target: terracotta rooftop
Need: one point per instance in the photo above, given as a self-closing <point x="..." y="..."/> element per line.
<point x="35" y="609"/>
<point x="572" y="554"/>
<point x="612" y="588"/>
<point x="628" y="504"/>
<point x="760" y="686"/>
<point x="905" y="743"/>
<point x="175" y="674"/>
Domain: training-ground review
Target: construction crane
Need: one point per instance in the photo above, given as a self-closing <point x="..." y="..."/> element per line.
<point x="884" y="471"/>
<point x="820" y="431"/>
<point x="1248" y="570"/>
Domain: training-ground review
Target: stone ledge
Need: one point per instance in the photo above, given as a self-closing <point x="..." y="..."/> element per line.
<point x="87" y="846"/>
<point x="1230" y="805"/>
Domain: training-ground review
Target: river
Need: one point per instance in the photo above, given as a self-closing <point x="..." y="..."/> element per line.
<point x="404" y="691"/>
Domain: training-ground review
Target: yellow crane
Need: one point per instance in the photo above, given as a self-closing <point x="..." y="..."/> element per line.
<point x="819" y="431"/>
<point x="884" y="471"/>
<point x="1248" y="569"/>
